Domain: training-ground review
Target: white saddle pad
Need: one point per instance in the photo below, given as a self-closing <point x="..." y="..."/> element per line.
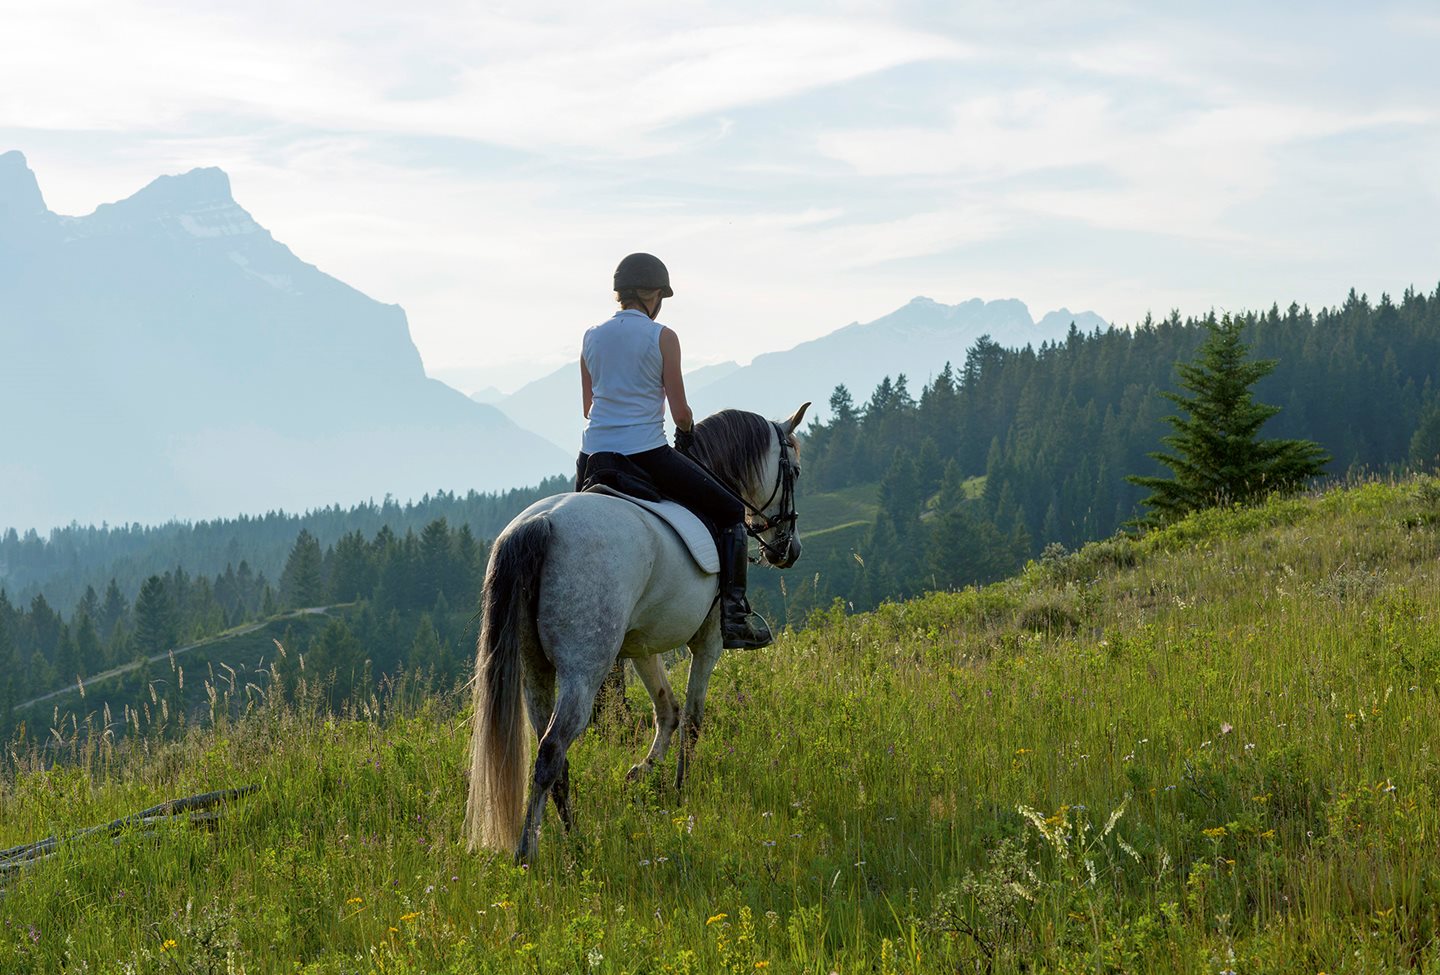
<point x="691" y="529"/>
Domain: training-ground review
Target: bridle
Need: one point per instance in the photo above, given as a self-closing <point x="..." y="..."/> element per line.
<point x="757" y="522"/>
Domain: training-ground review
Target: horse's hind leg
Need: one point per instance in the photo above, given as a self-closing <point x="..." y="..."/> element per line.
<point x="667" y="713"/>
<point x="540" y="704"/>
<point x="571" y="714"/>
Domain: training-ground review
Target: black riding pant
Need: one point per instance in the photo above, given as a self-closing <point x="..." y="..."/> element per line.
<point x="681" y="479"/>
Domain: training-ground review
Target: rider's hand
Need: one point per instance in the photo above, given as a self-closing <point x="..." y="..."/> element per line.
<point x="684" y="440"/>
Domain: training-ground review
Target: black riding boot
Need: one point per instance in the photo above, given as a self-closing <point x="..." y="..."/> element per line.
<point x="742" y="627"/>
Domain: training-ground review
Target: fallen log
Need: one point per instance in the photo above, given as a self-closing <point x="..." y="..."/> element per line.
<point x="193" y="810"/>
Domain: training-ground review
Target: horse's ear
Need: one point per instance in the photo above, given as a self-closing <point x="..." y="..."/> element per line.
<point x="793" y="424"/>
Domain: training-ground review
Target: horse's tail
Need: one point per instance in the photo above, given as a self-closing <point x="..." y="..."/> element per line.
<point x="498" y="742"/>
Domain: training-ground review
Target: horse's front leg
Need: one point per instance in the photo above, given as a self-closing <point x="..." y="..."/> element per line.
<point x="667" y="713"/>
<point x="704" y="654"/>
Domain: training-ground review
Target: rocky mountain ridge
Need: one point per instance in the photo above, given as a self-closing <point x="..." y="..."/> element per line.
<point x="166" y="357"/>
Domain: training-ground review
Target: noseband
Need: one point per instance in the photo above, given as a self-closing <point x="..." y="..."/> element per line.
<point x="758" y="522"/>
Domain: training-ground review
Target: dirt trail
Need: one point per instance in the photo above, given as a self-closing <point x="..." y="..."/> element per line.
<point x="157" y="658"/>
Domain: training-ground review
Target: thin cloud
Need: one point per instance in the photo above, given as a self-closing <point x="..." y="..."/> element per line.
<point x="485" y="167"/>
<point x="1182" y="170"/>
<point x="538" y="85"/>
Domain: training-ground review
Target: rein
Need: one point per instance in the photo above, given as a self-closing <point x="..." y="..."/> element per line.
<point x="784" y="487"/>
<point x="786" y="520"/>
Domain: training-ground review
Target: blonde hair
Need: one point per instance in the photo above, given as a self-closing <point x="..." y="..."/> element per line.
<point x="634" y="297"/>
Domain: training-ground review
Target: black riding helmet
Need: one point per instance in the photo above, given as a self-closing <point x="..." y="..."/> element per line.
<point x="643" y="271"/>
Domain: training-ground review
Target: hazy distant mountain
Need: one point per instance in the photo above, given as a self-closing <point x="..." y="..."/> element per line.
<point x="1056" y="324"/>
<point x="709" y="374"/>
<point x="917" y="340"/>
<point x="551" y="405"/>
<point x="490" y="394"/>
<point x="166" y="357"/>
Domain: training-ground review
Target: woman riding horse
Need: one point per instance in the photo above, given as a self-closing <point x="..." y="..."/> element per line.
<point x="629" y="369"/>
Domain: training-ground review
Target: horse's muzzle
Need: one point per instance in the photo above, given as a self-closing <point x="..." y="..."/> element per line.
<point x="791" y="556"/>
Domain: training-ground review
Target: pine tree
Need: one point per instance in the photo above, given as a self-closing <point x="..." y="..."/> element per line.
<point x="1425" y="444"/>
<point x="248" y="589"/>
<point x="900" y="494"/>
<point x="438" y="573"/>
<point x="67" y="660"/>
<point x="428" y="657"/>
<point x="470" y="558"/>
<point x="45" y="627"/>
<point x="154" y="618"/>
<point x="1217" y="455"/>
<point x="354" y="576"/>
<point x="89" y="604"/>
<point x="335" y="660"/>
<point x="87" y="645"/>
<point x="300" y="582"/>
<point x="114" y="610"/>
<point x="11" y="677"/>
<point x="835" y="450"/>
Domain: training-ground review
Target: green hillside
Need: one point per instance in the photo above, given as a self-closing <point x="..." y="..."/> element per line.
<point x="1209" y="749"/>
<point x="833" y="527"/>
<point x="228" y="660"/>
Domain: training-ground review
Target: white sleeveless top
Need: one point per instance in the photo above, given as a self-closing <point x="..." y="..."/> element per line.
<point x="627" y="412"/>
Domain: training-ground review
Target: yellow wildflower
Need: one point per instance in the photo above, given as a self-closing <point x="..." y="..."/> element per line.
<point x="715" y="918"/>
<point x="410" y="917"/>
<point x="167" y="944"/>
<point x="356" y="900"/>
<point x="1214" y="832"/>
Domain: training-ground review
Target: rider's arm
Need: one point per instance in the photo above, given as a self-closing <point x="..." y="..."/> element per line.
<point x="587" y="391"/>
<point x="673" y="381"/>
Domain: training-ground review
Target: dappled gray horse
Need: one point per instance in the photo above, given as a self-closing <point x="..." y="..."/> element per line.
<point x="577" y="581"/>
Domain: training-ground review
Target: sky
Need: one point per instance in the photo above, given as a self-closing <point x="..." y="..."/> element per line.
<point x="798" y="166"/>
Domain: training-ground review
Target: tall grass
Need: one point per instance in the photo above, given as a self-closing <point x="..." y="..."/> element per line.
<point x="1209" y="749"/>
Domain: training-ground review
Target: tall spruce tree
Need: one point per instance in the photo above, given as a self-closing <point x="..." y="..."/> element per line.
<point x="12" y="678"/>
<point x="301" y="583"/>
<point x="1425" y="444"/>
<point x="155" y="624"/>
<point x="1216" y="452"/>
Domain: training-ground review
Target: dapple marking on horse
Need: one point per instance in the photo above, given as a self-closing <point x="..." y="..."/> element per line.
<point x="577" y="581"/>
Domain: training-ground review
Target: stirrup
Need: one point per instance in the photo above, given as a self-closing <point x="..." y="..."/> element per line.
<point x="739" y="631"/>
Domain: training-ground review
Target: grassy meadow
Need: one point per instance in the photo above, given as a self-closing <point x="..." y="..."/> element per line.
<point x="1211" y="749"/>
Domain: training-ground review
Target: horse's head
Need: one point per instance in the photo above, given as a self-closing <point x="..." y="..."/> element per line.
<point x="776" y="520"/>
<point x="760" y="460"/>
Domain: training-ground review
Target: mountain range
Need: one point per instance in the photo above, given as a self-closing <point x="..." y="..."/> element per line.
<point x="165" y="357"/>
<point x="915" y="340"/>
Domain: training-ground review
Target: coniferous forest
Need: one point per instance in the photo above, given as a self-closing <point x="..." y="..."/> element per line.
<point x="989" y="463"/>
<point x="404" y="580"/>
<point x="1015" y="450"/>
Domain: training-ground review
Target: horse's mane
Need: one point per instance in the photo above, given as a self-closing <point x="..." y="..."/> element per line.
<point x="734" y="445"/>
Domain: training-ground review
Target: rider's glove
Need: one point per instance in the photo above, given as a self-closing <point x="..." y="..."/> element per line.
<point x="684" y="440"/>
